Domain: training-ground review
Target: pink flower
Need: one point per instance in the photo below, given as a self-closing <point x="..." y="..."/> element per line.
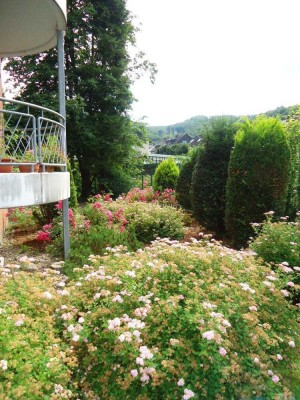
<point x="3" y="364"/>
<point x="134" y="373"/>
<point x="87" y="224"/>
<point x="180" y="382"/>
<point x="139" y="360"/>
<point x="275" y="379"/>
<point x="209" y="335"/>
<point x="59" y="205"/>
<point x="291" y="284"/>
<point x="222" y="351"/>
<point x="253" y="308"/>
<point x="279" y="357"/>
<point x="188" y="394"/>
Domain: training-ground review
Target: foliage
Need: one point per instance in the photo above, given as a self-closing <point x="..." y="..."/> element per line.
<point x="293" y="135"/>
<point x="191" y="126"/>
<point x="183" y="187"/>
<point x="258" y="176"/>
<point x="278" y="243"/>
<point x="209" y="178"/>
<point x="99" y="72"/>
<point x="173" y="149"/>
<point x="21" y="218"/>
<point x="95" y="240"/>
<point x="35" y="362"/>
<point x="73" y="201"/>
<point x="147" y="220"/>
<point x="104" y="222"/>
<point x="150" y="221"/>
<point x="166" y="175"/>
<point x="170" y="321"/>
<point x="148" y="195"/>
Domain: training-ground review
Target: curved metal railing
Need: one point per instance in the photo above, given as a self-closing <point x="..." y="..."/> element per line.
<point x="31" y="136"/>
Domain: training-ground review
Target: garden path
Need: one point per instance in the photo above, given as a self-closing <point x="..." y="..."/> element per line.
<point x="19" y="244"/>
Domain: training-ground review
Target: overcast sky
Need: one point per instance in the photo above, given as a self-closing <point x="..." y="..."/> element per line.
<point x="217" y="57"/>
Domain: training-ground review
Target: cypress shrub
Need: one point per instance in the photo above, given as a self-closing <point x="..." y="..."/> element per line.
<point x="258" y="176"/>
<point x="293" y="135"/>
<point x="183" y="187"/>
<point x="166" y="175"/>
<point x="73" y="201"/>
<point x="208" y="186"/>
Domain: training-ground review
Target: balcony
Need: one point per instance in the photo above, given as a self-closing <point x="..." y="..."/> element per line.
<point x="32" y="155"/>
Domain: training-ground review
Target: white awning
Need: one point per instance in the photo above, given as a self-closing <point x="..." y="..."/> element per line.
<point x="30" y="26"/>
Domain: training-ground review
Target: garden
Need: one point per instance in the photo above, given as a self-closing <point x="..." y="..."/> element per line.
<point x="185" y="290"/>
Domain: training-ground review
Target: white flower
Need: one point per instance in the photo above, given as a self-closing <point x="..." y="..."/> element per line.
<point x="209" y="335"/>
<point x="253" y="308"/>
<point x="75" y="337"/>
<point x="47" y="295"/>
<point x="222" y="351"/>
<point x="3" y="364"/>
<point x="180" y="382"/>
<point x="279" y="357"/>
<point x="291" y="343"/>
<point x="117" y="299"/>
<point x="19" y="322"/>
<point x="188" y="394"/>
<point x="81" y="320"/>
<point x="139" y="361"/>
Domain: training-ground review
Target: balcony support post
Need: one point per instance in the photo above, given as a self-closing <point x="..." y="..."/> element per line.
<point x="62" y="111"/>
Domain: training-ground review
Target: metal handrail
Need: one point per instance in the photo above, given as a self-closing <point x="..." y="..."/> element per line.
<point x="32" y="139"/>
<point x="23" y="103"/>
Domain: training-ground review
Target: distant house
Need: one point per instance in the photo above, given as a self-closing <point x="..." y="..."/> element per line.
<point x="195" y="142"/>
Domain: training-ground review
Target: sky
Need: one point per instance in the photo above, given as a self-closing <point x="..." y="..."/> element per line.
<point x="216" y="57"/>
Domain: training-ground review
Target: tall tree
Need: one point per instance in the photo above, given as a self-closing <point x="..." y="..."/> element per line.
<point x="99" y="72"/>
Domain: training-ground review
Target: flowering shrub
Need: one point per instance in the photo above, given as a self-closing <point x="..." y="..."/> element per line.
<point x="278" y="243"/>
<point x="21" y="218"/>
<point x="147" y="220"/>
<point x="181" y="321"/>
<point x="34" y="361"/>
<point x="148" y="195"/>
<point x="173" y="321"/>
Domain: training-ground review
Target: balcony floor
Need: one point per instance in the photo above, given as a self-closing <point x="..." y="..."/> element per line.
<point x="26" y="189"/>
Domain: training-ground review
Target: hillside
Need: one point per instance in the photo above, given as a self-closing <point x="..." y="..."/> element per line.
<point x="194" y="125"/>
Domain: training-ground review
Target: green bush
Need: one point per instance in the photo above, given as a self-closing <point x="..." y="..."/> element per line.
<point x="166" y="175"/>
<point x="209" y="179"/>
<point x="258" y="176"/>
<point x="34" y="361"/>
<point x="278" y="243"/>
<point x="150" y="221"/>
<point x="95" y="240"/>
<point x="293" y="135"/>
<point x="147" y="220"/>
<point x="183" y="187"/>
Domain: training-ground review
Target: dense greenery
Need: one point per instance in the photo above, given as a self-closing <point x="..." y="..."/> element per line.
<point x="209" y="179"/>
<point x="278" y="245"/>
<point x="293" y="135"/>
<point x="183" y="187"/>
<point x="166" y="175"/>
<point x="171" y="321"/>
<point x="258" y="176"/>
<point x="173" y="149"/>
<point x="191" y="126"/>
<point x="99" y="72"/>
